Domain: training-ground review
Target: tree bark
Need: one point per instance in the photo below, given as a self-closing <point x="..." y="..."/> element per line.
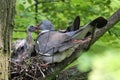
<point x="7" y="10"/>
<point x="112" y="20"/>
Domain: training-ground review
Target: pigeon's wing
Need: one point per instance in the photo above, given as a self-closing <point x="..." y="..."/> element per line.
<point x="82" y="32"/>
<point x="75" y="25"/>
<point x="49" y="42"/>
<point x="53" y="42"/>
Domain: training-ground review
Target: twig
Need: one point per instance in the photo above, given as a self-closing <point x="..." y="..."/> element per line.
<point x="41" y="71"/>
<point x="36" y="11"/>
<point x="31" y="76"/>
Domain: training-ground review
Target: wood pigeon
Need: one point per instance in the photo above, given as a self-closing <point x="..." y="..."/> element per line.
<point x="52" y="44"/>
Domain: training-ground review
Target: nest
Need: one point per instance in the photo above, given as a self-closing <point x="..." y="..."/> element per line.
<point x="30" y="69"/>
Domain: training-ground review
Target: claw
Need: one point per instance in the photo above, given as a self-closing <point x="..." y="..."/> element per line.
<point x="76" y="41"/>
<point x="44" y="65"/>
<point x="80" y="40"/>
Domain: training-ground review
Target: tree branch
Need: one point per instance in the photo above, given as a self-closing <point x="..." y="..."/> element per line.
<point x="72" y="74"/>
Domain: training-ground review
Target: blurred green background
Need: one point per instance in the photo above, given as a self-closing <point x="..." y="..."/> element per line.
<point x="104" y="56"/>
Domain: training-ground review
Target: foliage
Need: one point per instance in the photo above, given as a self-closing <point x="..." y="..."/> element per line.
<point x="108" y="68"/>
<point x="100" y="57"/>
<point x="61" y="12"/>
<point x="106" y="65"/>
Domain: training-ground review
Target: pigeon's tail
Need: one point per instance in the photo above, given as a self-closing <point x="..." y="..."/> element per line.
<point x="99" y="22"/>
<point x="83" y="31"/>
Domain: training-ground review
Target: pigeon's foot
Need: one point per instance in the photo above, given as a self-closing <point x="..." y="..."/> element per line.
<point x="77" y="41"/>
<point x="80" y="40"/>
<point x="44" y="65"/>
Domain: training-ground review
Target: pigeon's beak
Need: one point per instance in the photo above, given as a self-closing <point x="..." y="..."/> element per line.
<point x="37" y="28"/>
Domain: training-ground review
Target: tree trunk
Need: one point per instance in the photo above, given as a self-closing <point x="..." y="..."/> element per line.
<point x="7" y="10"/>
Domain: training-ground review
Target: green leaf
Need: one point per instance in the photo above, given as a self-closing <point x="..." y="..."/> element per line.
<point x="21" y="7"/>
<point x="29" y="1"/>
<point x="106" y="67"/>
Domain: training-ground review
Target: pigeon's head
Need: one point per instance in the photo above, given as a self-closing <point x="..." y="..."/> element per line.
<point x="45" y="25"/>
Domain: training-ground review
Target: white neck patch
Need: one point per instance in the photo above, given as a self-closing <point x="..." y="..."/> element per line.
<point x="43" y="31"/>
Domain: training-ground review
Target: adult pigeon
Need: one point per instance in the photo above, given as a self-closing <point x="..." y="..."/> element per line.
<point x="52" y="44"/>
